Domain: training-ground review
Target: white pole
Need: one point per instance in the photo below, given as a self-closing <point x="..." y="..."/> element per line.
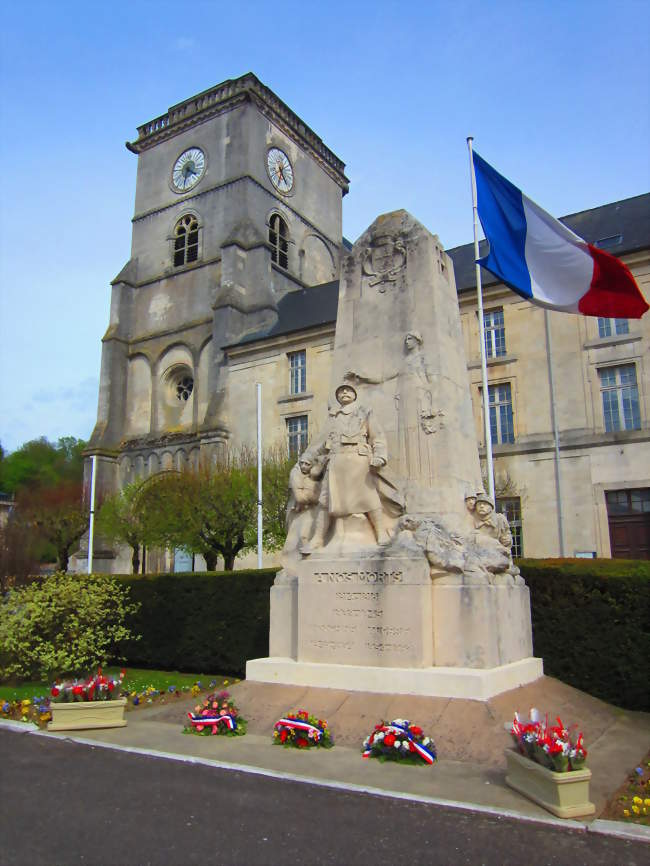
<point x="91" y="523"/>
<point x="481" y="335"/>
<point x="259" y="475"/>
<point x="556" y="435"/>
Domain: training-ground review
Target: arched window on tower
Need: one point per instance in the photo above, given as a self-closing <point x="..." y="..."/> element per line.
<point x="279" y="240"/>
<point x="186" y="241"/>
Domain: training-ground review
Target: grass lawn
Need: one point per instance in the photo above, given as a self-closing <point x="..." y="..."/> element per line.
<point x="136" y="680"/>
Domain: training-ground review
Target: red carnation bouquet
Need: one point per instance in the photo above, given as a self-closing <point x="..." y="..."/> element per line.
<point x="217" y="714"/>
<point x="555" y="747"/>
<point x="94" y="688"/>
<point x="302" y="731"/>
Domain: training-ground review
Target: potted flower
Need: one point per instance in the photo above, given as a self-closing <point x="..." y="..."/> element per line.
<point x="399" y="740"/>
<point x="216" y="714"/>
<point x="301" y="730"/>
<point x="548" y="766"/>
<point x="94" y="702"/>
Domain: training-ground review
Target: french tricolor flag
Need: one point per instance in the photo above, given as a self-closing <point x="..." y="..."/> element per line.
<point x="544" y="261"/>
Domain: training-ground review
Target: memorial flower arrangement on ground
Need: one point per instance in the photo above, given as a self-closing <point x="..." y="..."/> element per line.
<point x="399" y="740"/>
<point x="216" y="714"/>
<point x="302" y="731"/>
<point x="94" y="688"/>
<point x="555" y="747"/>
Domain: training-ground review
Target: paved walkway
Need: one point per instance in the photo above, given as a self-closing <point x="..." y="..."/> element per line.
<point x="157" y="731"/>
<point x="69" y="803"/>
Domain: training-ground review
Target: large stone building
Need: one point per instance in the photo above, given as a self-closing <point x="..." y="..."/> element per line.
<point x="233" y="280"/>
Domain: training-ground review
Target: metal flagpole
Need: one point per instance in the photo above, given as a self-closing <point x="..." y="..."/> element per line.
<point x="91" y="523"/>
<point x="556" y="435"/>
<point x="259" y="474"/>
<point x="481" y="327"/>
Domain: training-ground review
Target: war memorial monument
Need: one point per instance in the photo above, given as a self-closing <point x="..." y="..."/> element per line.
<point x="397" y="574"/>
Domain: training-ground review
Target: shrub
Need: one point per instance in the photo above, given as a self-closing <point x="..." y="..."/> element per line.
<point x="200" y="622"/>
<point x="590" y="625"/>
<point x="61" y="625"/>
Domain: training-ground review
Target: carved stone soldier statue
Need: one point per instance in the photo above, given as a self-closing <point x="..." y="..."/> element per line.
<point x="354" y="447"/>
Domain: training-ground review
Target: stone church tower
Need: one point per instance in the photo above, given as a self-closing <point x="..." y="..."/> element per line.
<point x="238" y="203"/>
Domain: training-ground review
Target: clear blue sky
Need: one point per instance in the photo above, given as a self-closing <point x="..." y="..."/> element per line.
<point x="555" y="93"/>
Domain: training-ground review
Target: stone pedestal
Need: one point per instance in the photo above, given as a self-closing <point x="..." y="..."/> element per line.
<point x="481" y="626"/>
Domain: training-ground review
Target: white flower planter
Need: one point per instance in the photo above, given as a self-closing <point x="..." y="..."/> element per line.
<point x="84" y="715"/>
<point x="564" y="794"/>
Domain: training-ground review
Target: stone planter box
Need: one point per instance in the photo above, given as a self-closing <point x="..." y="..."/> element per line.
<point x="564" y="794"/>
<point x="83" y="715"/>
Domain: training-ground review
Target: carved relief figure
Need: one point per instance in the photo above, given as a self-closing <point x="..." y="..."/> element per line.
<point x="354" y="447"/>
<point x="383" y="261"/>
<point x="490" y="523"/>
<point x="470" y="503"/>
<point x="414" y="405"/>
<point x="304" y="492"/>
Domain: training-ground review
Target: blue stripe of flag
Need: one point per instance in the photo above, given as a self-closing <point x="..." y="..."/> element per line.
<point x="501" y="212"/>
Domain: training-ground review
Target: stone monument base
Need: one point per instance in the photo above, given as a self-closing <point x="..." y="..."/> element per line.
<point x="443" y="682"/>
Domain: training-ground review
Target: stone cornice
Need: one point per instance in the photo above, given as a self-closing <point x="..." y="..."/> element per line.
<point x="165" y="332"/>
<point x="279" y="341"/>
<point x="569" y="441"/>
<point x="227" y="96"/>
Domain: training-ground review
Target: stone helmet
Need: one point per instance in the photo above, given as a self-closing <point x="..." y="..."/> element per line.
<point x="346" y="385"/>
<point x="483" y="497"/>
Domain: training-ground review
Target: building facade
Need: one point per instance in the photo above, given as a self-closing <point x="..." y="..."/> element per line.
<point x="233" y="280"/>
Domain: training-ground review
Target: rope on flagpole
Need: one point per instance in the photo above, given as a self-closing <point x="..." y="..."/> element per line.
<point x="481" y="329"/>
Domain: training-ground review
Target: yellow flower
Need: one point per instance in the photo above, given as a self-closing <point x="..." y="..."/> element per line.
<point x="626" y="812"/>
<point x="225" y="682"/>
<point x="637" y="800"/>
<point x="25" y="702"/>
<point x="636" y="810"/>
<point x="646" y="802"/>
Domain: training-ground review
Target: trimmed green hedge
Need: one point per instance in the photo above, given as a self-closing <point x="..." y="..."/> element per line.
<point x="200" y="622"/>
<point x="591" y="625"/>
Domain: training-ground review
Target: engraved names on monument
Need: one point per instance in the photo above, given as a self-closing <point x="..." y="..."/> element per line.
<point x="361" y="612"/>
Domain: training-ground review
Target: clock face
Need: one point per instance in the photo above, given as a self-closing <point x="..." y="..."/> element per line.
<point x="188" y="169"/>
<point x="280" y="170"/>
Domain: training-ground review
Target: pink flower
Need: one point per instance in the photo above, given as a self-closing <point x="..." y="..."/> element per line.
<point x="223" y="713"/>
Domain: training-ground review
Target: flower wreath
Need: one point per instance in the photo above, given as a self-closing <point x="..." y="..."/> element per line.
<point x="216" y="715"/>
<point x="399" y="740"/>
<point x="302" y="731"/>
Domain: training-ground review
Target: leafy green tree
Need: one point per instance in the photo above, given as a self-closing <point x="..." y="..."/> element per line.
<point x="122" y="518"/>
<point x="213" y="510"/>
<point x="59" y="515"/>
<point x="40" y="463"/>
<point x="275" y="496"/>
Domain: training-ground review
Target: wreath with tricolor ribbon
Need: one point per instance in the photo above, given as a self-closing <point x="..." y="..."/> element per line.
<point x="399" y="740"/>
<point x="302" y="731"/>
<point x="217" y="714"/>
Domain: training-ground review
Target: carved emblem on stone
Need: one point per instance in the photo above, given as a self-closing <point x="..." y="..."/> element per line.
<point x="384" y="260"/>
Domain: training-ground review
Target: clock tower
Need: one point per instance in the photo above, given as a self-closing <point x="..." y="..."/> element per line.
<point x="238" y="202"/>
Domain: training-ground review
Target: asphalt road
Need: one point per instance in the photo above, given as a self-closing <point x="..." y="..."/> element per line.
<point x="65" y="804"/>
